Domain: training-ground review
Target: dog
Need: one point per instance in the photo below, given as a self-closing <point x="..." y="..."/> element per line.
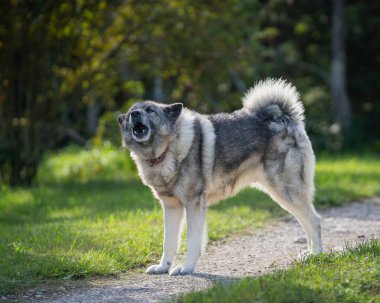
<point x="191" y="161"/>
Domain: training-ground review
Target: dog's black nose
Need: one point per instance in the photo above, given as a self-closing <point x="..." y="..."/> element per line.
<point x="136" y="114"/>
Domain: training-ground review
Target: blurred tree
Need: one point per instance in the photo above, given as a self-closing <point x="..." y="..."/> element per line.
<point x="50" y="50"/>
<point x="190" y="51"/>
<point x="65" y="63"/>
<point x="363" y="66"/>
<point x="339" y="92"/>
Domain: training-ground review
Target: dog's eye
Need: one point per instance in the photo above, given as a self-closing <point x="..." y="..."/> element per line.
<point x="150" y="110"/>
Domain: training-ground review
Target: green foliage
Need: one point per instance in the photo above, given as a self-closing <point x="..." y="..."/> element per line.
<point x="320" y="124"/>
<point x="61" y="60"/>
<point x="74" y="164"/>
<point x="50" y="52"/>
<point x="92" y="215"/>
<point x="351" y="276"/>
<point x="108" y="130"/>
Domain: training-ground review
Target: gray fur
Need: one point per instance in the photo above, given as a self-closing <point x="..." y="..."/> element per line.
<point x="207" y="158"/>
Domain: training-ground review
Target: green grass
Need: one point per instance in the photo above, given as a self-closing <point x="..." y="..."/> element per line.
<point x="352" y="276"/>
<point x="90" y="215"/>
<point x="340" y="179"/>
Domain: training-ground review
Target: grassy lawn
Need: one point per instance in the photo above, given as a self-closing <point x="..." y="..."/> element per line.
<point x="90" y="215"/>
<point x="352" y="276"/>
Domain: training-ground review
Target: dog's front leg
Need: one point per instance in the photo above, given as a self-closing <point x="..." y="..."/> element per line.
<point x="196" y="236"/>
<point x="173" y="219"/>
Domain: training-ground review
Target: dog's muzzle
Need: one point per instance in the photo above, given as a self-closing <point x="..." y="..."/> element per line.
<point x="140" y="126"/>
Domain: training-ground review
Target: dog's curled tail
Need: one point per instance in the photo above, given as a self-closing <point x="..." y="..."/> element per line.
<point x="275" y="92"/>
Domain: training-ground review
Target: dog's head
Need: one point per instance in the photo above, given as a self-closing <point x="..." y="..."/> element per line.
<point x="148" y="127"/>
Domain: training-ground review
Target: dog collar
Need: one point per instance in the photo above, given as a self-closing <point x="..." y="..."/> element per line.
<point x="152" y="162"/>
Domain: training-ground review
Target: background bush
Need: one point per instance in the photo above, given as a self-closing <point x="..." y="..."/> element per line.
<point x="68" y="66"/>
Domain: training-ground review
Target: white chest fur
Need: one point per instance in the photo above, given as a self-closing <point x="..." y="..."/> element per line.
<point x="163" y="175"/>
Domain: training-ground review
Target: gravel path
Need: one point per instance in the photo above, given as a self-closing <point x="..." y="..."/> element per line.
<point x="250" y="255"/>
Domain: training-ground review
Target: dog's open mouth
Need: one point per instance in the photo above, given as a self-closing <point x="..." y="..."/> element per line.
<point x="140" y="131"/>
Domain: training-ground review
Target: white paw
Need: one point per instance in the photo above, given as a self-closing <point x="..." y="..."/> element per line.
<point x="318" y="250"/>
<point x="179" y="270"/>
<point x="157" y="269"/>
<point x="303" y="255"/>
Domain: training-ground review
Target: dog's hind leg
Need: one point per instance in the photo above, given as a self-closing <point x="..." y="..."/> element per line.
<point x="305" y="213"/>
<point x="293" y="189"/>
<point x="301" y="207"/>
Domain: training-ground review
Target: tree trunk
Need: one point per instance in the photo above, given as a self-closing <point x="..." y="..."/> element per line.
<point x="92" y="117"/>
<point x="158" y="91"/>
<point x="339" y="93"/>
<point x="239" y="83"/>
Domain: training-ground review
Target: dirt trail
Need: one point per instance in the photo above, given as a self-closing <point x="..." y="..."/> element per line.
<point x="250" y="255"/>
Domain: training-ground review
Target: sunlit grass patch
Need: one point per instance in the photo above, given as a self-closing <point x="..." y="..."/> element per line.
<point x="79" y="165"/>
<point x="340" y="179"/>
<point x="352" y="276"/>
<point x="91" y="216"/>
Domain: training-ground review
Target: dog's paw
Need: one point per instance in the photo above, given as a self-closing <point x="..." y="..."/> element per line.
<point x="303" y="255"/>
<point x="180" y="270"/>
<point x="157" y="269"/>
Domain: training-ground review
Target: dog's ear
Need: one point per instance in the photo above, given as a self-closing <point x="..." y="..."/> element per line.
<point x="121" y="118"/>
<point x="173" y="111"/>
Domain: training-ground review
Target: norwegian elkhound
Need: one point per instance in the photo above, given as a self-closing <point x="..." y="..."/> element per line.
<point x="191" y="161"/>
